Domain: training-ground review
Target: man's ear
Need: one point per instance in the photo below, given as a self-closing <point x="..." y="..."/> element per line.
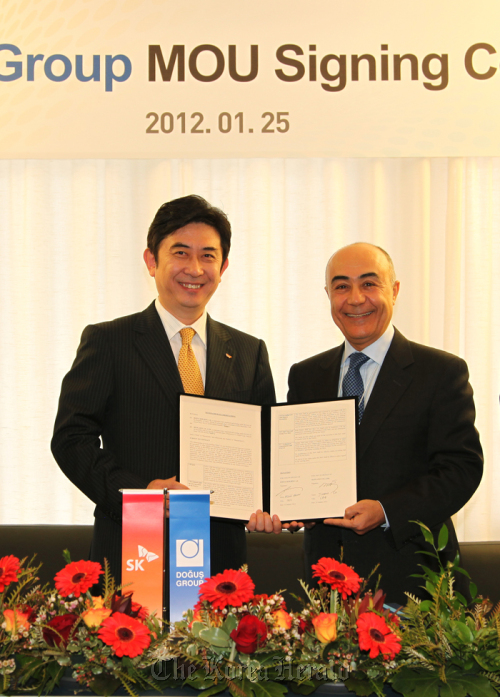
<point x="224" y="266"/>
<point x="395" y="291"/>
<point x="149" y="260"/>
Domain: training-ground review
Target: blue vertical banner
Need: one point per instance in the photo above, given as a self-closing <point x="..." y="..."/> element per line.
<point x="189" y="548"/>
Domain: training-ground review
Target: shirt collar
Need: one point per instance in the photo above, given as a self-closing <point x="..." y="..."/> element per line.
<point x="375" y="351"/>
<point x="173" y="325"/>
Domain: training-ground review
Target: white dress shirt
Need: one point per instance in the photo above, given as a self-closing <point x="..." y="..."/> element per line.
<point x="370" y="369"/>
<point x="199" y="341"/>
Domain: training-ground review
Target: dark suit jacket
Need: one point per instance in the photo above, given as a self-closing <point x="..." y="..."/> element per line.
<point x="123" y="389"/>
<point x="418" y="453"/>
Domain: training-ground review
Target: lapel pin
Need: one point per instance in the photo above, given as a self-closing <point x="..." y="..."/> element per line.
<point x="228" y="356"/>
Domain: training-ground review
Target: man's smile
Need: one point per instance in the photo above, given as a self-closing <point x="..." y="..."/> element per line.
<point x="364" y="314"/>
<point x="194" y="286"/>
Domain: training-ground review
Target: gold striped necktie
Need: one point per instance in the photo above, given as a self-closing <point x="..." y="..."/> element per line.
<point x="188" y="365"/>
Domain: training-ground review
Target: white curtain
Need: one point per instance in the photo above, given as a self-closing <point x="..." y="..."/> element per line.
<point x="72" y="234"/>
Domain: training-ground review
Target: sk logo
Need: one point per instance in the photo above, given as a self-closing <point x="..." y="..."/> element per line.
<point x="136" y="564"/>
<point x="143" y="552"/>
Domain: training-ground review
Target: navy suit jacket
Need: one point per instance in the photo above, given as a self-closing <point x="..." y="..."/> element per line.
<point x="418" y="453"/>
<point x="123" y="390"/>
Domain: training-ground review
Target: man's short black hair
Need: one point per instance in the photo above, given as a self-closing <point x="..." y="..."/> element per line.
<point x="182" y="211"/>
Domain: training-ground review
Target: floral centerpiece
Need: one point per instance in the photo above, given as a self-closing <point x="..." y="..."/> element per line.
<point x="103" y="641"/>
<point x="238" y="640"/>
<point x="251" y="644"/>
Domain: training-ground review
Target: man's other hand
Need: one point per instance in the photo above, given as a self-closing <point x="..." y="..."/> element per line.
<point x="262" y="522"/>
<point x="295" y="525"/>
<point x="362" y="517"/>
<point x="171" y="483"/>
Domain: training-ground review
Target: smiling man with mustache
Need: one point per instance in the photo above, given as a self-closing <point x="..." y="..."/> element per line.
<point x="418" y="452"/>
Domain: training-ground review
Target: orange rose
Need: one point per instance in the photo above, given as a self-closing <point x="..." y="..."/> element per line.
<point x="325" y="626"/>
<point x="16" y="621"/>
<point x="96" y="602"/>
<point x="94" y="617"/>
<point x="282" y="619"/>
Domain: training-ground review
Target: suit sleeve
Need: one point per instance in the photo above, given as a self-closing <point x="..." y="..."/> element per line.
<point x="454" y="460"/>
<point x="263" y="384"/>
<point x="292" y="395"/>
<point x="86" y="393"/>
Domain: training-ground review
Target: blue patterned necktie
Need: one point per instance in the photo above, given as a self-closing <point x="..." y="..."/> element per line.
<point x="352" y="384"/>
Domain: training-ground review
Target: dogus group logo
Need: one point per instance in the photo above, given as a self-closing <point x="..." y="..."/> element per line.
<point x="189" y="552"/>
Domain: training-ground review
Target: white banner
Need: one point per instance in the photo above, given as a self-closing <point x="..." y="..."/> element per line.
<point x="157" y="78"/>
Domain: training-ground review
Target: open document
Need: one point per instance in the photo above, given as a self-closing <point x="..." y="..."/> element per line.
<point x="297" y="461"/>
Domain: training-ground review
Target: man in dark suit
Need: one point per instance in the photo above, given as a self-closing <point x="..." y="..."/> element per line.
<point x="418" y="452"/>
<point x="117" y="423"/>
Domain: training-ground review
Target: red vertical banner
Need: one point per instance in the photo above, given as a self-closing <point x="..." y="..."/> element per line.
<point x="143" y="544"/>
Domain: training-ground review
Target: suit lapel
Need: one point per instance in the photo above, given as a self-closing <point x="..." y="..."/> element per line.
<point x="153" y="345"/>
<point x="392" y="382"/>
<point x="330" y="365"/>
<point x="221" y="356"/>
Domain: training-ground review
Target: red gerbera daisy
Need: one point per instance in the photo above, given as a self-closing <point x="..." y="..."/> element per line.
<point x="139" y="611"/>
<point x="9" y="566"/>
<point x="77" y="577"/>
<point x="376" y="637"/>
<point x="229" y="588"/>
<point x="127" y="636"/>
<point x="340" y="576"/>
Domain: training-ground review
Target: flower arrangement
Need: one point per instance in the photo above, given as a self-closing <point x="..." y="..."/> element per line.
<point x="233" y="639"/>
<point x="103" y="640"/>
<point x="248" y="643"/>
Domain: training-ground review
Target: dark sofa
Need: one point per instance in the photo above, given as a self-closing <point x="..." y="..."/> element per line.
<point x="276" y="562"/>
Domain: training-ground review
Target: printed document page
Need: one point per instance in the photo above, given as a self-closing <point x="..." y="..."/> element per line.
<point x="220" y="450"/>
<point x="313" y="459"/>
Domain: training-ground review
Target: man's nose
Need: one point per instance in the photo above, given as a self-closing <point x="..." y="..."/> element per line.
<point x="193" y="267"/>
<point x="356" y="296"/>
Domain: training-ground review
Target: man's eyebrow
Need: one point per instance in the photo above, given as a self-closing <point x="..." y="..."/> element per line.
<point x="369" y="274"/>
<point x="181" y="245"/>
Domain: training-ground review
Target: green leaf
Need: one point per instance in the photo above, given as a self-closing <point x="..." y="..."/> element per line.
<point x="416" y="683"/>
<point x="326" y="650"/>
<point x="215" y="636"/>
<point x="443" y="538"/>
<point x="461" y="598"/>
<point x="462" y="631"/>
<point x="268" y="689"/>
<point x="199" y="680"/>
<point x="305" y="688"/>
<point x="105" y="685"/>
<point x="434" y="577"/>
<point x="230" y="623"/>
<point x="214" y="690"/>
<point x="424" y="683"/>
<point x="473" y="590"/>
<point x="196" y="628"/>
<point x="244" y="685"/>
<point x="430" y="588"/>
<point x="473" y="685"/>
<point x="363" y="688"/>
<point x="460" y="570"/>
<point x="425" y="605"/>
